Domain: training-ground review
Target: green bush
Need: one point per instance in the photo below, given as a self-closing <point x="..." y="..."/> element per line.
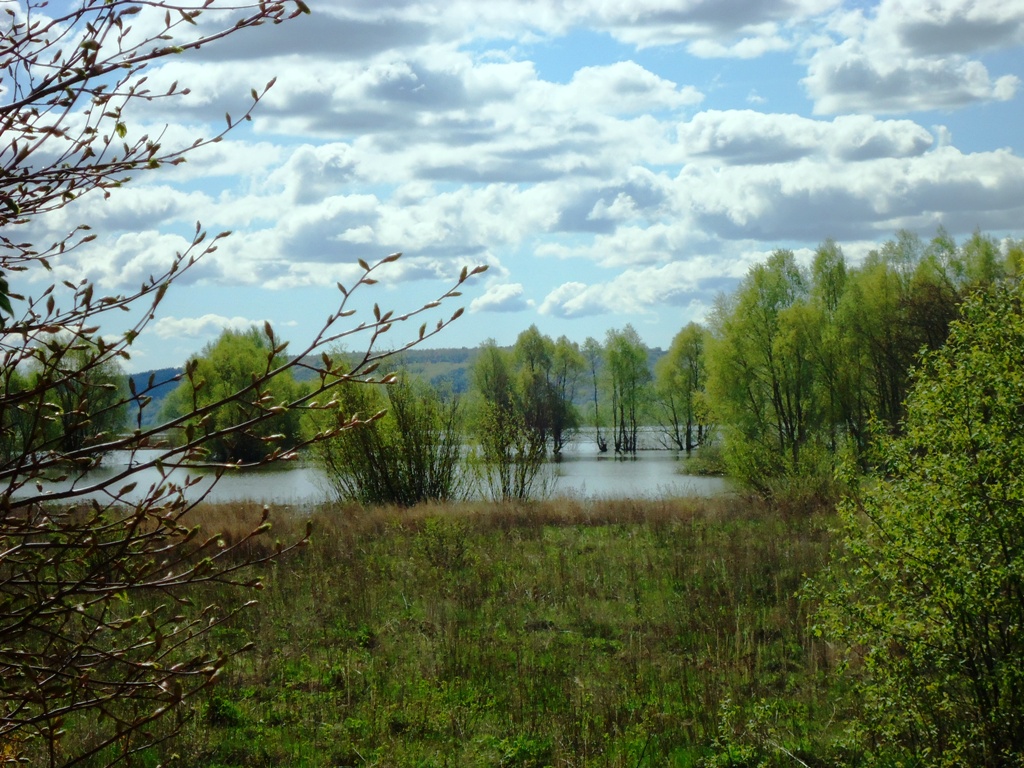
<point x="928" y="594"/>
<point x="411" y="454"/>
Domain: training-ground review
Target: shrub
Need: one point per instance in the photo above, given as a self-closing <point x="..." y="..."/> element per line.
<point x="928" y="594"/>
<point x="410" y="454"/>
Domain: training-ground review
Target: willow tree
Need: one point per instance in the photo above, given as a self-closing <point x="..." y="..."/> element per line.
<point x="223" y="367"/>
<point x="760" y="376"/>
<point x="679" y="379"/>
<point x="510" y="450"/>
<point x="593" y="355"/>
<point x="546" y="373"/>
<point x="629" y="382"/>
<point x="100" y="579"/>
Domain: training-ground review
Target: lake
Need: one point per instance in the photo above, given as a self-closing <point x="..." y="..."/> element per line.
<point x="581" y="472"/>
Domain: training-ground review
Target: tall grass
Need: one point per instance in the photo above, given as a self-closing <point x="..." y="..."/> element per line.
<point x="564" y="633"/>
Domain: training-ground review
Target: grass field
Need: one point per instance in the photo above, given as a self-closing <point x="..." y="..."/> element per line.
<point x="569" y="633"/>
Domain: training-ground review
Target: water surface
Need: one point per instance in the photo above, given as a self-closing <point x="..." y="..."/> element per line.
<point x="581" y="472"/>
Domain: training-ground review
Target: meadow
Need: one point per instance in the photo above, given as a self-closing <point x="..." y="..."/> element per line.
<point x="562" y="633"/>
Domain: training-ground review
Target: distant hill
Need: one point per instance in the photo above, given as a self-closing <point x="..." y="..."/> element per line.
<point x="443" y="367"/>
<point x="157" y="385"/>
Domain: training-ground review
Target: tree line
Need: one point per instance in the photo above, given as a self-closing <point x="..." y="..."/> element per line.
<point x="793" y="371"/>
<point x="804" y="365"/>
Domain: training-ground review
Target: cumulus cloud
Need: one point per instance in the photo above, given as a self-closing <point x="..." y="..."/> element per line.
<point x="625" y="88"/>
<point x="745" y="48"/>
<point x="312" y="173"/>
<point x="910" y="56"/>
<point x="955" y="26"/>
<point x="122" y="263"/>
<point x="749" y="137"/>
<point x="612" y="180"/>
<point x="502" y="297"/>
<point x="200" y="327"/>
<point x="642" y="291"/>
<point x="573" y="299"/>
<point x="713" y="27"/>
<point x="808" y="198"/>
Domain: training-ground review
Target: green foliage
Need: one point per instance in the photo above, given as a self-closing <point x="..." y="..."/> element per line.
<point x="567" y="368"/>
<point x="411" y="454"/>
<point x="544" y="374"/>
<point x="508" y="424"/>
<point x="801" y="361"/>
<point x="760" y="376"/>
<point x="5" y="299"/>
<point x="929" y="596"/>
<point x="679" y="379"/>
<point x="510" y="461"/>
<point x="65" y="397"/>
<point x="629" y="379"/>
<point x="228" y="366"/>
<point x="593" y="354"/>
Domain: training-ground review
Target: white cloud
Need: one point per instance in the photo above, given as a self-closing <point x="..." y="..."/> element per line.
<point x="943" y="27"/>
<point x="811" y="199"/>
<point x="716" y="27"/>
<point x="122" y="263"/>
<point x="749" y="137"/>
<point x="746" y="48"/>
<point x="642" y="291"/>
<point x="913" y="56"/>
<point x="502" y="297"/>
<point x="586" y="176"/>
<point x="571" y="300"/>
<point x="200" y="327"/>
<point x="623" y="88"/>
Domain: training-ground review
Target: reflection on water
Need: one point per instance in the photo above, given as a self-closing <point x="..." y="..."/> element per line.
<point x="652" y="474"/>
<point x="581" y="472"/>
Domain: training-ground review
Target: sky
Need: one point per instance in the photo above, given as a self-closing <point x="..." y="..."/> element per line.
<point x="611" y="163"/>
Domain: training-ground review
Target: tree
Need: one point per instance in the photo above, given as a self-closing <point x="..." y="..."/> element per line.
<point x="900" y="300"/>
<point x="567" y="365"/>
<point x="88" y="404"/>
<point x="593" y="353"/>
<point x="77" y="643"/>
<point x="545" y="376"/>
<point x="511" y="451"/>
<point x="760" y="376"/>
<point x="629" y="378"/>
<point x="532" y="358"/>
<point x="929" y="596"/>
<point x="224" y="367"/>
<point x="839" y="369"/>
<point x="410" y="452"/>
<point x="679" y="379"/>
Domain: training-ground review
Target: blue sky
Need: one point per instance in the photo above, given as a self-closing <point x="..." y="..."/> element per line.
<point x="612" y="163"/>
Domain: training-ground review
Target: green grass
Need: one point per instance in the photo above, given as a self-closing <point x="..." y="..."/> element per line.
<point x="619" y="633"/>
